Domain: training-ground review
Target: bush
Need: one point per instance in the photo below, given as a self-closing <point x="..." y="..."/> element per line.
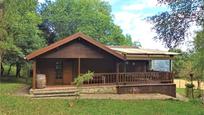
<point x="189" y="85"/>
<point x="82" y="78"/>
<point x="78" y="81"/>
<point x="196" y="101"/>
<point x="198" y="93"/>
<point x="189" y="90"/>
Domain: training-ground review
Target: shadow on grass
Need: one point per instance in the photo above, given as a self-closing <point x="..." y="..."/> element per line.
<point x="15" y="80"/>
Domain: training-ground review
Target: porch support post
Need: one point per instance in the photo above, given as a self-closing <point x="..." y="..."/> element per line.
<point x="79" y="66"/>
<point x="117" y="71"/>
<point x="170" y="70"/>
<point x="34" y="75"/>
<point x="124" y="65"/>
<point x="170" y="65"/>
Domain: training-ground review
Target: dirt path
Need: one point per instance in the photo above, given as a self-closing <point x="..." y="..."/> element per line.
<point x="181" y="97"/>
<point x="126" y="96"/>
<point x="117" y="97"/>
<point x="23" y="91"/>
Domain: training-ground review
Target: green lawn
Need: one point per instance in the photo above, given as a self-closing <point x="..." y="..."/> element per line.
<point x="16" y="105"/>
<point x="181" y="91"/>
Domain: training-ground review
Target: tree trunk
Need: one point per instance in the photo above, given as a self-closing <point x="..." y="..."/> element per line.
<point x="1" y="50"/>
<point x="9" y="70"/>
<point x="0" y="64"/>
<point x="199" y="84"/>
<point x="2" y="69"/>
<point x="18" y="70"/>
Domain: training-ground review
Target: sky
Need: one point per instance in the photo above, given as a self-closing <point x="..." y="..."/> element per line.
<point x="130" y="16"/>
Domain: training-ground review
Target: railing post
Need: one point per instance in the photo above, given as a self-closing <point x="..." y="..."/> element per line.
<point x="117" y="73"/>
<point x="79" y="66"/>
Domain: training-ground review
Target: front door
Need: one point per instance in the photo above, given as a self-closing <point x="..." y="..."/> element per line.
<point x="59" y="65"/>
<point x="67" y="72"/>
<point x="63" y="70"/>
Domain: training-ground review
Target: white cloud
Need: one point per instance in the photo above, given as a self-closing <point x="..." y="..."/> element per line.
<point x="134" y="7"/>
<point x="41" y="1"/>
<point x="140" y="5"/>
<point x="139" y="29"/>
<point x="133" y="23"/>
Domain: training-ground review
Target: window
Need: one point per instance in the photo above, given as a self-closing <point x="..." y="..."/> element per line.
<point x="59" y="69"/>
<point x="160" y="65"/>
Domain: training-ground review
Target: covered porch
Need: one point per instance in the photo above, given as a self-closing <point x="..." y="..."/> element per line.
<point x="106" y="72"/>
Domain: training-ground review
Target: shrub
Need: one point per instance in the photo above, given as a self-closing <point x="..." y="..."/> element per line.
<point x="189" y="90"/>
<point x="189" y="85"/>
<point x="82" y="78"/>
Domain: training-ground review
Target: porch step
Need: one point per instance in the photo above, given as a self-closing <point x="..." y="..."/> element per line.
<point x="54" y="92"/>
<point x="37" y="93"/>
<point x="54" y="95"/>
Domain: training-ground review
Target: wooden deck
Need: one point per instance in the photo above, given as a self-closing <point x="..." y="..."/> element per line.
<point x="134" y="82"/>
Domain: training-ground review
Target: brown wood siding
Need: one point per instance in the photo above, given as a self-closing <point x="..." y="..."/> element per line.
<point x="67" y="72"/>
<point x="167" y="89"/>
<point x="77" y="36"/>
<point x="98" y="65"/>
<point x="70" y="68"/>
<point x="74" y="68"/>
<point x="77" y="49"/>
<point x="134" y="66"/>
<point x="47" y="67"/>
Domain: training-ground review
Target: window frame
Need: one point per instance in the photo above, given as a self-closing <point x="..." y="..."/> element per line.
<point x="59" y="69"/>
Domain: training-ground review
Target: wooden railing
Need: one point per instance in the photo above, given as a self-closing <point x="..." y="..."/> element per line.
<point x="131" y="77"/>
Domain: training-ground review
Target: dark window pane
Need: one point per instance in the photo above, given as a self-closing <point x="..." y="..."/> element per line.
<point x="59" y="69"/>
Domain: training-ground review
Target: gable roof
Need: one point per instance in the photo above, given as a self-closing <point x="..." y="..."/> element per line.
<point x="69" y="39"/>
<point x="135" y="53"/>
<point x="140" y="51"/>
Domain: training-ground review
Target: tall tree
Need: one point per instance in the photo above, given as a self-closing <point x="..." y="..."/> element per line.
<point x="178" y="63"/>
<point x="1" y="34"/>
<point x="92" y="17"/>
<point x="20" y="23"/>
<point x="172" y="25"/>
<point x="199" y="54"/>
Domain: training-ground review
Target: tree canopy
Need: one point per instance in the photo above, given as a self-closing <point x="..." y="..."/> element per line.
<point x="20" y="34"/>
<point x="172" y="25"/>
<point x="26" y="26"/>
<point x="199" y="53"/>
<point x="92" y="17"/>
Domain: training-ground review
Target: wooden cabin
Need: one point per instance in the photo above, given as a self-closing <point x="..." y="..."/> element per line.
<point x="125" y="67"/>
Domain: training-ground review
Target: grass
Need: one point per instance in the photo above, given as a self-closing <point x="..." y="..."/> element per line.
<point x="18" y="105"/>
<point x="181" y="91"/>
